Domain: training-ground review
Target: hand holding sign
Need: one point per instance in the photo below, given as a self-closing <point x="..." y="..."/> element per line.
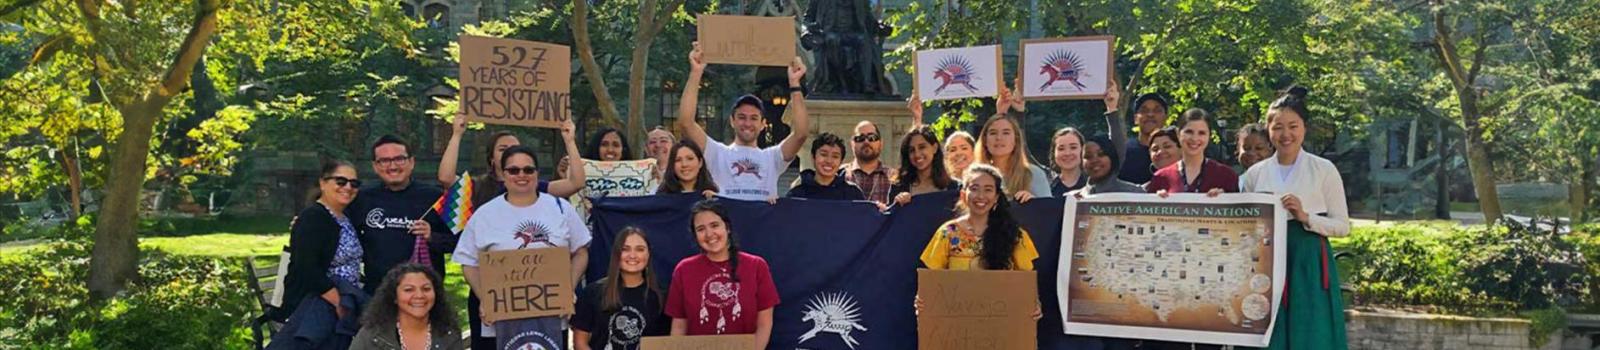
<point x="747" y="40"/>
<point x="515" y="82"/>
<point x="526" y="283"/>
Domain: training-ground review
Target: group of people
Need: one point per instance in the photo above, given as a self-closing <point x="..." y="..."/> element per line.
<point x="337" y="261"/>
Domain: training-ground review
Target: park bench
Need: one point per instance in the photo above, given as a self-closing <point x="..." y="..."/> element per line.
<point x="266" y="283"/>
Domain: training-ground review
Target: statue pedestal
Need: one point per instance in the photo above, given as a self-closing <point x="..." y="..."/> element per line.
<point x="840" y="117"/>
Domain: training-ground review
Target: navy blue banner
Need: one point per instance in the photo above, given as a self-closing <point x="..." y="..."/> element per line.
<point x="828" y="258"/>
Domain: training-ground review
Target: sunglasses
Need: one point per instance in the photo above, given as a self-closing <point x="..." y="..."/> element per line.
<point x="344" y="181"/>
<point x="519" y="171"/>
<point x="873" y="137"/>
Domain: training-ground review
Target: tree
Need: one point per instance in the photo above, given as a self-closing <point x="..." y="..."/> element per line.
<point x="141" y="56"/>
<point x="1474" y="32"/>
<point x="652" y="16"/>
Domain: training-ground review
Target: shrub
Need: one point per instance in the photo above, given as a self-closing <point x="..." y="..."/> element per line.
<point x="175" y="303"/>
<point x="1526" y="264"/>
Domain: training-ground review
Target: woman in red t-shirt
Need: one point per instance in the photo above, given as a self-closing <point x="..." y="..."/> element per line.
<point x="721" y="290"/>
<point x="1194" y="173"/>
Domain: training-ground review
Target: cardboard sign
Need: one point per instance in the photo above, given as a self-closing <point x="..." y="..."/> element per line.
<point x="1066" y="68"/>
<point x="976" y="309"/>
<point x="947" y="74"/>
<point x="527" y="283"/>
<point x="747" y="40"/>
<point x="515" y="82"/>
<point x="703" y="342"/>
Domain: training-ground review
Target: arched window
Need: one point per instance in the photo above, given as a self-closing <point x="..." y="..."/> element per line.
<point x="437" y="15"/>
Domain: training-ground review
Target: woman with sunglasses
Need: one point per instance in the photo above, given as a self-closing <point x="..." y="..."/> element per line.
<point x="327" y="257"/>
<point x="523" y="218"/>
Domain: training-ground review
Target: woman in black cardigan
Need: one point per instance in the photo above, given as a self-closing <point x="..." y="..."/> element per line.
<point x="323" y="246"/>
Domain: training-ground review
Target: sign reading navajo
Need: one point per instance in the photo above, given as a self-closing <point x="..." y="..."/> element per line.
<point x="976" y="309"/>
<point x="1066" y="68"/>
<point x="747" y="40"/>
<point x="515" y="82"/>
<point x="1183" y="268"/>
<point x="965" y="72"/>
<point x="527" y="283"/>
<point x="703" y="342"/>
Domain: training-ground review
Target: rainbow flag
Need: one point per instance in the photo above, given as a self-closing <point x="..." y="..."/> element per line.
<point x="455" y="206"/>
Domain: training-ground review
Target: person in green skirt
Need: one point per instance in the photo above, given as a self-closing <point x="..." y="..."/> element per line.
<point x="1312" y="313"/>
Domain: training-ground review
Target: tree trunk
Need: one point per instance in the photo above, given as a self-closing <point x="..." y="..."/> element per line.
<point x="1441" y="172"/>
<point x="115" y="256"/>
<point x="1462" y="78"/>
<point x="1482" y="172"/>
<point x="1580" y="189"/>
<point x="652" y="18"/>
<point x="69" y="160"/>
<point x="591" y="68"/>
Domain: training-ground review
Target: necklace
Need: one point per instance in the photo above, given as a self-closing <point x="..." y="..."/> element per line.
<point x="401" y="332"/>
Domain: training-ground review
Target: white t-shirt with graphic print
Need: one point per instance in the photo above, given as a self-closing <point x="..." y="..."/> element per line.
<point x="497" y="225"/>
<point x="742" y="172"/>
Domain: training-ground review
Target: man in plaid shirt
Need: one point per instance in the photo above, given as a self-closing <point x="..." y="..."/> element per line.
<point x="867" y="170"/>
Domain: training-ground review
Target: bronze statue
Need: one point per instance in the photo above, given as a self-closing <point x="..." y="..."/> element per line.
<point x="848" y="41"/>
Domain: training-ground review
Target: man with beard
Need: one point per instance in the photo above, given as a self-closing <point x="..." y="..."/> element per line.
<point x="867" y="170"/>
<point x="395" y="224"/>
<point x="743" y="170"/>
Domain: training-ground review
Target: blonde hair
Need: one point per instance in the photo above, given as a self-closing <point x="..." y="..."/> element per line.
<point x="1017" y="175"/>
<point x="948" y="140"/>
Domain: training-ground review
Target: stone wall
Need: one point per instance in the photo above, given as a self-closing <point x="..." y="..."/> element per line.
<point x="1370" y="330"/>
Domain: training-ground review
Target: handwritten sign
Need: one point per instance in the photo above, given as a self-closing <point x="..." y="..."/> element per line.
<point x="747" y="40"/>
<point x="527" y="283"/>
<point x="704" y="342"/>
<point x="976" y="309"/>
<point x="515" y="82"/>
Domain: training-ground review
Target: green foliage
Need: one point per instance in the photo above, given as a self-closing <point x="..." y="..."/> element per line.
<point x="1494" y="271"/>
<point x="176" y="303"/>
<point x="1531" y="266"/>
<point x="1545" y="322"/>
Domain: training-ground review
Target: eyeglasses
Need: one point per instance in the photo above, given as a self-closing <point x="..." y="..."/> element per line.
<point x="519" y="171"/>
<point x="868" y="137"/>
<point x="396" y="160"/>
<point x="344" y="181"/>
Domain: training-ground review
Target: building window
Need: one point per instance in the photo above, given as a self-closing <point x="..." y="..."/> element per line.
<point x="437" y="15"/>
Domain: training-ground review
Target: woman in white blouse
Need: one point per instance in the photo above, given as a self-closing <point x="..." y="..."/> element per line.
<point x="1312" y="312"/>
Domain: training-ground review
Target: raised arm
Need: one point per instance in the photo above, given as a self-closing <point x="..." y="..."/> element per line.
<point x="691" y="99"/>
<point x="797" y="105"/>
<point x="447" y="164"/>
<point x="574" y="181"/>
<point x="1116" y="123"/>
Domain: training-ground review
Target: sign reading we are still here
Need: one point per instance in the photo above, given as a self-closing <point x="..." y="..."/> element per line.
<point x="515" y="82"/>
<point x="527" y="283"/>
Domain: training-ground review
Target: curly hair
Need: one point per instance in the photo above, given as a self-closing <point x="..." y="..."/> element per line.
<point x="383" y="310"/>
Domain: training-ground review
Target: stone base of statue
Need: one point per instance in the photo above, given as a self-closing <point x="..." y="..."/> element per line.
<point x="840" y="117"/>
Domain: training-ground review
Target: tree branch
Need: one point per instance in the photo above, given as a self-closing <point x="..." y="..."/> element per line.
<point x="14" y="7"/>
<point x="190" y="51"/>
<point x="591" y="69"/>
<point x="1478" y="55"/>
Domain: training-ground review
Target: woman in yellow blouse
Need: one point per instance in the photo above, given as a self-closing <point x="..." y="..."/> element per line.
<point x="985" y="236"/>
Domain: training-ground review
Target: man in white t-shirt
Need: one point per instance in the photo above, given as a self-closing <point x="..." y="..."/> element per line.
<point x="742" y="170"/>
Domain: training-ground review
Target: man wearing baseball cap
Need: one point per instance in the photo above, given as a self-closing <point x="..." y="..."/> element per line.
<point x="743" y="170"/>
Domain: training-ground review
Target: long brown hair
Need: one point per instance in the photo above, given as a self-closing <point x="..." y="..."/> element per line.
<point x="611" y="297"/>
<point x="670" y="183"/>
<point x="1018" y="175"/>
